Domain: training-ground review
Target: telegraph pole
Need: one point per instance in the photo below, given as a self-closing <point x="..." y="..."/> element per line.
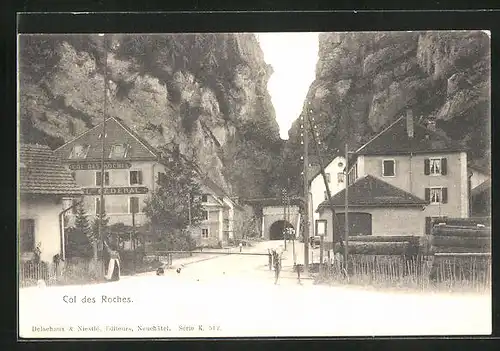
<point x="346" y="207"/>
<point x="103" y="144"/>
<point x="306" y="194"/>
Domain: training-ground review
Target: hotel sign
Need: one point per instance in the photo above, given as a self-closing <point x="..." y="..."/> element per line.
<point x="96" y="166"/>
<point x="116" y="190"/>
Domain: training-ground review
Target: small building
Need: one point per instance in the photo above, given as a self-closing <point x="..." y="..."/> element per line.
<point x="480" y="190"/>
<point x="221" y="213"/>
<point x="375" y="208"/>
<point x="44" y="184"/>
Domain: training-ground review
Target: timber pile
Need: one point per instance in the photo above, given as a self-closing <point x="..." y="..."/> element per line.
<point x="381" y="245"/>
<point x="460" y="239"/>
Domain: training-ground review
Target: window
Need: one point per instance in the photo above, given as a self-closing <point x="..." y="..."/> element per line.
<point x="352" y="175"/>
<point x="326" y="195"/>
<point x="118" y="151"/>
<point x="98" y="205"/>
<point x="205" y="215"/>
<point x="327" y="177"/>
<point x="133" y="206"/>
<point x="340" y="177"/>
<point x="435" y="166"/>
<point x="27" y="235"/>
<point x="135" y="177"/>
<point x="98" y="178"/>
<point x="204" y="198"/>
<point x="436" y="195"/>
<point x="79" y="151"/>
<point x="388" y="168"/>
<point x="204" y="233"/>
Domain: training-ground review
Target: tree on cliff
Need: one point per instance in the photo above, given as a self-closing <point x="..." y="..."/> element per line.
<point x="175" y="203"/>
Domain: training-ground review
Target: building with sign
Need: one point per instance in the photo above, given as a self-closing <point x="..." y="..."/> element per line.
<point x="131" y="170"/>
<point x="43" y="185"/>
<point x="132" y="167"/>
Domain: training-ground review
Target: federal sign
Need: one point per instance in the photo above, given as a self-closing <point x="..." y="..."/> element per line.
<point x="116" y="190"/>
<point x="96" y="166"/>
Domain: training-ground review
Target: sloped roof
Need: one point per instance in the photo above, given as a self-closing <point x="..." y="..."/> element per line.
<point x="116" y="133"/>
<point x="482" y="188"/>
<point x="394" y="140"/>
<point x="483" y="168"/>
<point x="41" y="173"/>
<point x="273" y="201"/>
<point x="371" y="191"/>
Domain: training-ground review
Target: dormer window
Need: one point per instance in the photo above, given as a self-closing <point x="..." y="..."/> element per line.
<point x="118" y="151"/>
<point x="79" y="151"/>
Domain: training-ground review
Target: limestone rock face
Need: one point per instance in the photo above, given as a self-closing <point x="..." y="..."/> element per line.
<point x="205" y="93"/>
<point x="364" y="81"/>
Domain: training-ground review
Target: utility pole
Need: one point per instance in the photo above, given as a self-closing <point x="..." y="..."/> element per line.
<point x="306" y="193"/>
<point x="103" y="144"/>
<point x="284" y="215"/>
<point x="346" y="207"/>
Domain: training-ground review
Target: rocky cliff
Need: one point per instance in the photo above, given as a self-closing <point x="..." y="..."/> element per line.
<point x="364" y="81"/>
<point x="205" y="93"/>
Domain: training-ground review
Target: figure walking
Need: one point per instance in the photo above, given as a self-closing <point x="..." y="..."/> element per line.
<point x="241" y="245"/>
<point x="277" y="266"/>
<point x="270" y="259"/>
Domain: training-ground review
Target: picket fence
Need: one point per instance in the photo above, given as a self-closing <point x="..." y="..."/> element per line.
<point x="421" y="272"/>
<point x="78" y="271"/>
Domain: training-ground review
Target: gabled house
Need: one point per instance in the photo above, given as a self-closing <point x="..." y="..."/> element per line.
<point x="131" y="170"/>
<point x="44" y="184"/>
<point x="417" y="161"/>
<point x="221" y="213"/>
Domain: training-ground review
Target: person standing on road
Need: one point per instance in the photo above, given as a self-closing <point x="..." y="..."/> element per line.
<point x="241" y="245"/>
<point x="277" y="266"/>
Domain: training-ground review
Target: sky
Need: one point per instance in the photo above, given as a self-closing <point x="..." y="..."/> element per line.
<point x="293" y="57"/>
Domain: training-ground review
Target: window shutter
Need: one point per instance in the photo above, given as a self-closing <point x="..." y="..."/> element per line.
<point x="427" y="166"/>
<point x="444" y="195"/>
<point x="139" y="177"/>
<point x="427" y="225"/>
<point x="444" y="168"/>
<point x="106" y="178"/>
<point x="427" y="194"/>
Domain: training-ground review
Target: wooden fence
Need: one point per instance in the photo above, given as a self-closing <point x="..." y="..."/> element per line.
<point x="468" y="273"/>
<point x="70" y="272"/>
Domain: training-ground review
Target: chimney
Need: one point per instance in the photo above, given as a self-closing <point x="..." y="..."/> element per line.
<point x="431" y="125"/>
<point x="409" y="123"/>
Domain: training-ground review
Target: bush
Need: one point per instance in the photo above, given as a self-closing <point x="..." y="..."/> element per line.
<point x="459" y="249"/>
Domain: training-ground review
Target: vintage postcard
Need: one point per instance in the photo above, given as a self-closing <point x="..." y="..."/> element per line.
<point x="254" y="184"/>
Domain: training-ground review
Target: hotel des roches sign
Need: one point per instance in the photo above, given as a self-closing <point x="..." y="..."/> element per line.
<point x="96" y="166"/>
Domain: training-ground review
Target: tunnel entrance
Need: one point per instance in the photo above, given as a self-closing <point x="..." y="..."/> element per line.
<point x="276" y="230"/>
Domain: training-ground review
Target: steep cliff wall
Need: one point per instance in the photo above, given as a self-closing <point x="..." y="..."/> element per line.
<point x="205" y="93"/>
<point x="365" y="80"/>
